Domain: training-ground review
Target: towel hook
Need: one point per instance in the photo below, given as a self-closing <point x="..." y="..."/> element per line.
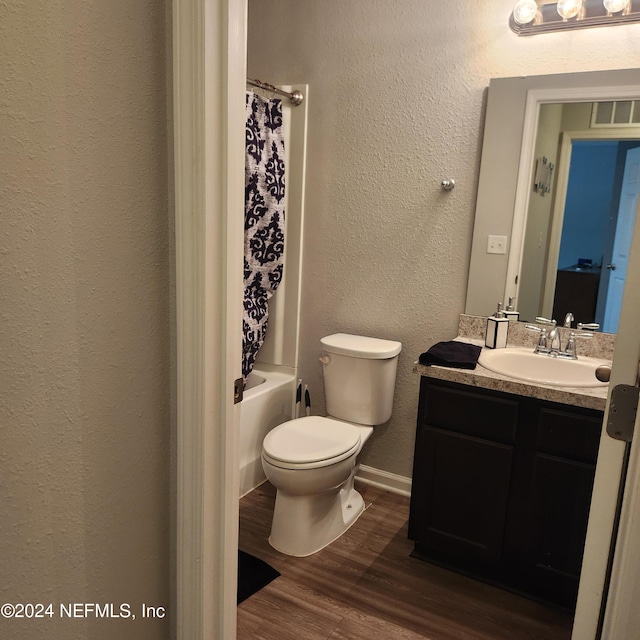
<point x="448" y="184"/>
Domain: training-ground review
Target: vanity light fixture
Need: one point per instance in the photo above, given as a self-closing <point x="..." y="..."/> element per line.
<point x="614" y="6"/>
<point x="569" y="8"/>
<point x="530" y="17"/>
<point x="525" y="11"/>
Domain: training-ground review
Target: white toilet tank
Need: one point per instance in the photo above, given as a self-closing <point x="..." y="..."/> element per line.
<point x="359" y="377"/>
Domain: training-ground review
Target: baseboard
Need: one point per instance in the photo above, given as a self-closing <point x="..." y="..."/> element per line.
<point x="385" y="480"/>
<point x="251" y="476"/>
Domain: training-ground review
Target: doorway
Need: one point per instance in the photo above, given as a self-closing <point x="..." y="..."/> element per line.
<point x="587" y="205"/>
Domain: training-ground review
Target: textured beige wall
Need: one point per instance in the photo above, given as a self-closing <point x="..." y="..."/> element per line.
<point x="397" y="94"/>
<point x="84" y="301"/>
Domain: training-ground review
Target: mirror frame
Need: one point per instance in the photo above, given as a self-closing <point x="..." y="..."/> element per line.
<point x="513" y="106"/>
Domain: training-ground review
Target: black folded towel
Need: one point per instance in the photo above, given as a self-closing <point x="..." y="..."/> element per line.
<point x="460" y="355"/>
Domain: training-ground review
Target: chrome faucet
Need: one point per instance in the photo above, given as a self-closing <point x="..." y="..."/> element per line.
<point x="554" y="344"/>
<point x="553" y="339"/>
<point x="549" y="344"/>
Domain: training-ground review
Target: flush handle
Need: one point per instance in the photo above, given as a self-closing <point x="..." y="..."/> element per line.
<point x="325" y="359"/>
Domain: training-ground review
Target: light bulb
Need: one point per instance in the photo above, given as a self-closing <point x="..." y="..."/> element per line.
<point x="525" y="11"/>
<point x="613" y="6"/>
<point x="569" y="8"/>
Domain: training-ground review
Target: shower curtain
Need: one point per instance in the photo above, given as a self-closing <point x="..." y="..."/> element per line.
<point x="263" y="220"/>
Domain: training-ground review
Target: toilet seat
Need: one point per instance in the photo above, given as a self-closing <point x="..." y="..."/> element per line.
<point x="310" y="442"/>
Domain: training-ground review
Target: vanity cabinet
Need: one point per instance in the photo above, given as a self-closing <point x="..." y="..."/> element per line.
<point x="502" y="487"/>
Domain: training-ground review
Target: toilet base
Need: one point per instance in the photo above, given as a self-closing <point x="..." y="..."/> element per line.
<point x="303" y="525"/>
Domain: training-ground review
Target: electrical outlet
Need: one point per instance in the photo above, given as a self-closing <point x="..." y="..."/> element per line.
<point x="497" y="244"/>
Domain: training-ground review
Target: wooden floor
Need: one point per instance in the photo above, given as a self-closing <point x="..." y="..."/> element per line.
<point x="365" y="585"/>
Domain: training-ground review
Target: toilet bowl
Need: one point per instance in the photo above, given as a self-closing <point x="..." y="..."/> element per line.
<point x="311" y="461"/>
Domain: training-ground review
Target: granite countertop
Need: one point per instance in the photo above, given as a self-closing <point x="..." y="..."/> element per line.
<point x="470" y="329"/>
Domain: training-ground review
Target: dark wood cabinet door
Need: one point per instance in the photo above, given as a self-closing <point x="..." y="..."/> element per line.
<point x="460" y="510"/>
<point x="557" y="526"/>
<point x="560" y="486"/>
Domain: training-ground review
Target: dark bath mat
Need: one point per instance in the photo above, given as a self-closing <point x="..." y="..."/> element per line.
<point x="253" y="574"/>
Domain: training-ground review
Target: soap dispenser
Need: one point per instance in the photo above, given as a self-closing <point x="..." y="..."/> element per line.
<point x="510" y="312"/>
<point x="497" y="329"/>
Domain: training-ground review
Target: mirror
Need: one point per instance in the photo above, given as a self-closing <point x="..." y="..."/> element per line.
<point x="550" y="239"/>
<point x="583" y="193"/>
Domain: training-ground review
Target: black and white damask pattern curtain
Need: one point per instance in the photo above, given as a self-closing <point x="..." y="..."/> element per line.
<point x="263" y="220"/>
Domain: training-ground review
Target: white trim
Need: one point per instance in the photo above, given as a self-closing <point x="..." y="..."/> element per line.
<point x="557" y="219"/>
<point x="519" y="225"/>
<point x="585" y="94"/>
<point x="607" y="483"/>
<point x="209" y="61"/>
<point x="384" y="480"/>
<point x="622" y="614"/>
<point x="187" y="121"/>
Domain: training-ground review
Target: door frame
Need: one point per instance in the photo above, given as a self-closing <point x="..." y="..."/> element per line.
<point x="621" y="612"/>
<point x="562" y="184"/>
<point x="209" y="70"/>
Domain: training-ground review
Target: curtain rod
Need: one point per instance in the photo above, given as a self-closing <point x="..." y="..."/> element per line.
<point x="296" y="96"/>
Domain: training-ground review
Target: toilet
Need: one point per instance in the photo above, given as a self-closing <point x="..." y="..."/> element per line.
<point x="311" y="461"/>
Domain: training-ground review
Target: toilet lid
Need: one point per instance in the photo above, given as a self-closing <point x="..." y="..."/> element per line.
<point x="311" y="439"/>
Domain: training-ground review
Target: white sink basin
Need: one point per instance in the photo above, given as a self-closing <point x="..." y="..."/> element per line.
<point x="521" y="363"/>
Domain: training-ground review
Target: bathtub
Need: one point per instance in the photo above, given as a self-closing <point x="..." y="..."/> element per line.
<point x="268" y="400"/>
